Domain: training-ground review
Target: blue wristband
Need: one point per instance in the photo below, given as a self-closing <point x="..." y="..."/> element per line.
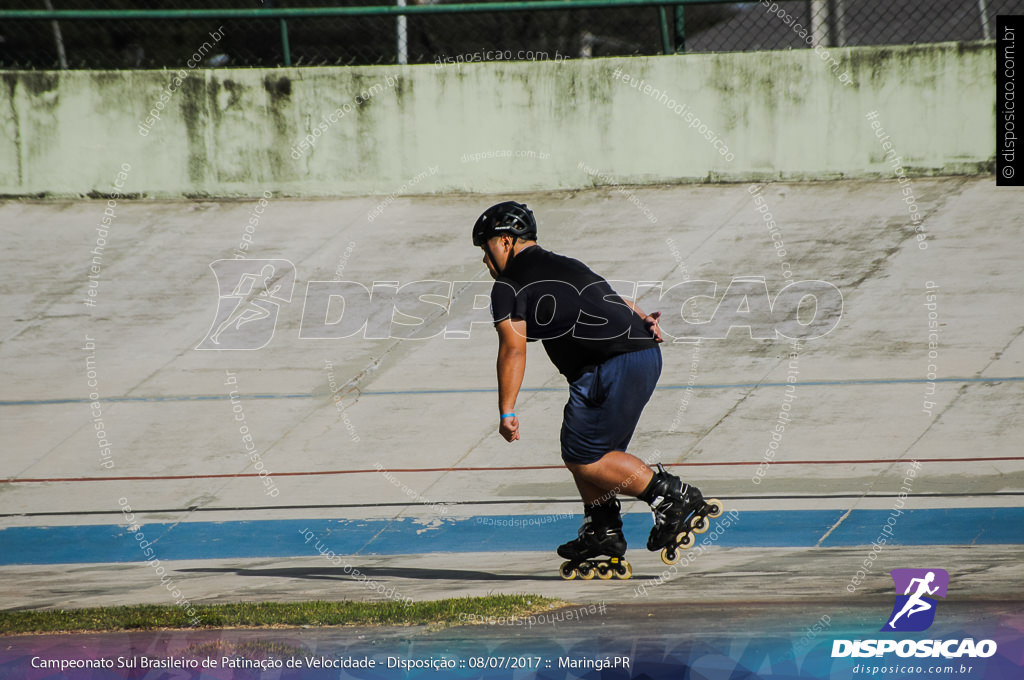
<point x="507" y="415"/>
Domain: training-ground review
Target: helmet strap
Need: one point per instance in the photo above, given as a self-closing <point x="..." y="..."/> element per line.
<point x="490" y="256"/>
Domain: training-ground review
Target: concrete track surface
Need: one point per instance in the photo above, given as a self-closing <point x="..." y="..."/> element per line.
<point x="384" y="451"/>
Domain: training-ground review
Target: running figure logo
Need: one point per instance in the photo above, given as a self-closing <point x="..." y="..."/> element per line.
<point x="914" y="609"/>
<point x="251" y="293"/>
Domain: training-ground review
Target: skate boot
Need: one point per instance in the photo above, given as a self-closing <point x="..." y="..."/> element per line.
<point x="679" y="512"/>
<point x="601" y="534"/>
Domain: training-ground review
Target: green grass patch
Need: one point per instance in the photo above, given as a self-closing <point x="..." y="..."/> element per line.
<point x="273" y="614"/>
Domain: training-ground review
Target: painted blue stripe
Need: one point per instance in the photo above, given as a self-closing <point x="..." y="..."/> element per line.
<point x="284" y="538"/>
<point x="491" y="390"/>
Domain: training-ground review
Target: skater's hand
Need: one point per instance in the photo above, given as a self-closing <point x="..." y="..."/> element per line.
<point x="651" y="323"/>
<point x="509" y="428"/>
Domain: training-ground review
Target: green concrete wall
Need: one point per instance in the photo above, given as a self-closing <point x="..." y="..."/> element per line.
<point x="499" y="127"/>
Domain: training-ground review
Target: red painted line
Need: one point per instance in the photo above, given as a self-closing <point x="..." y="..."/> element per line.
<point x="42" y="480"/>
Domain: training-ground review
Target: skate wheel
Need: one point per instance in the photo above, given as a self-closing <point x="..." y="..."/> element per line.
<point x="714" y="508"/>
<point x="567" y="571"/>
<point x="586" y="571"/>
<point x="623" y="570"/>
<point x="684" y="539"/>
<point x="698" y="524"/>
<point x="604" y="571"/>
<point x="669" y="555"/>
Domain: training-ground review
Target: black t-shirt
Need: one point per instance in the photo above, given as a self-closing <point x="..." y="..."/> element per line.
<point x="580" y="319"/>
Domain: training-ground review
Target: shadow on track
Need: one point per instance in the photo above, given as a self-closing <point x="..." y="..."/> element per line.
<point x="339" y="574"/>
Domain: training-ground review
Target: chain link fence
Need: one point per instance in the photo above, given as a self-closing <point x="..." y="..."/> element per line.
<point x="478" y="36"/>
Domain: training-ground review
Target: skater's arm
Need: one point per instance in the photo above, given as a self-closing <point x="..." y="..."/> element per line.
<point x="632" y="305"/>
<point x="650" y="320"/>
<point x="511" y="368"/>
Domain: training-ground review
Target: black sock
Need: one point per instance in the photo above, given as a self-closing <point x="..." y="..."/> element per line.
<point x="650" y="491"/>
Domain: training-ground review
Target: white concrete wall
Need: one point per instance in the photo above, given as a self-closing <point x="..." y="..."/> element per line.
<point x="782" y="114"/>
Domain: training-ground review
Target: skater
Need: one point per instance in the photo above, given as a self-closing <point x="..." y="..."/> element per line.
<point x="607" y="349"/>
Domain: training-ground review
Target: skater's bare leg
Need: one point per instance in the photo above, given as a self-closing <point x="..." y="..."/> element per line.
<point x="588" y="492"/>
<point x="616" y="472"/>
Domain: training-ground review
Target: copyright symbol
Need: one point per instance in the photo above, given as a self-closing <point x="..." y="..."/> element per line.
<point x="1007" y="171"/>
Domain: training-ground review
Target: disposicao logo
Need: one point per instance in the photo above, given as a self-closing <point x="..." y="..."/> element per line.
<point x="914" y="611"/>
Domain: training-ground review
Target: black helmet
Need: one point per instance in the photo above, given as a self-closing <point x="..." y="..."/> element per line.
<point x="510" y="218"/>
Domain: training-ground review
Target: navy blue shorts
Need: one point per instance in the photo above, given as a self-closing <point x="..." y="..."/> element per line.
<point x="605" y="405"/>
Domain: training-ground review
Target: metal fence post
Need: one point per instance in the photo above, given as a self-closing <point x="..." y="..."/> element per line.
<point x="58" y="39"/>
<point x="402" y="37"/>
<point x="821" y="23"/>
<point x="285" y="47"/>
<point x="666" y="45"/>
<point x="680" y="29"/>
<point x="986" y="33"/>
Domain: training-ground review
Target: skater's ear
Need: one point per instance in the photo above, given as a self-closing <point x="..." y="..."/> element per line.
<point x="507" y="244"/>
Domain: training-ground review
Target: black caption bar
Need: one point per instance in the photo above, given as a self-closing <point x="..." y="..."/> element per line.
<point x="1009" y="152"/>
